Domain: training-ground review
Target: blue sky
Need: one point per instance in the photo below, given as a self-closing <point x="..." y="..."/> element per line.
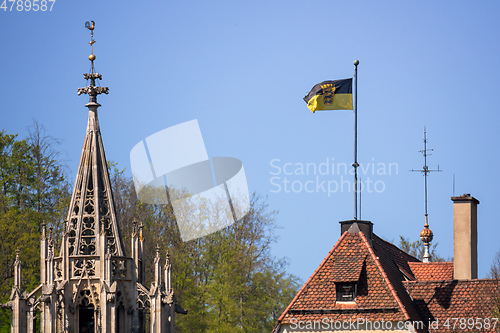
<point x="242" y="69"/>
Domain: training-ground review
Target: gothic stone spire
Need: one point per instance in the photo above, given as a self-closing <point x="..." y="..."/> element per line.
<point x="92" y="227"/>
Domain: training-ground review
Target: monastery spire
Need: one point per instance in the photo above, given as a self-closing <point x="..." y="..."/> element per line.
<point x="92" y="227"/>
<point x="92" y="286"/>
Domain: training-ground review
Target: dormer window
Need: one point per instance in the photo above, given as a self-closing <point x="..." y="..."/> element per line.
<point x="346" y="291"/>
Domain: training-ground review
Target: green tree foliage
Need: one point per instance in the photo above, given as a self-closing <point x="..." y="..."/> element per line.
<point x="494" y="273"/>
<point x="228" y="281"/>
<point x="51" y="189"/>
<point x="416" y="249"/>
<point x="33" y="189"/>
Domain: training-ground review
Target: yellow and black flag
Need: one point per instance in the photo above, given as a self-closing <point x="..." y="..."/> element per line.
<point x="330" y="95"/>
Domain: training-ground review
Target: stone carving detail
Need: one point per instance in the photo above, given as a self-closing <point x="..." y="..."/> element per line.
<point x="71" y="239"/>
<point x="87" y="296"/>
<point x="143" y="300"/>
<point x="107" y="226"/>
<point x="93" y="91"/>
<point x="119" y="268"/>
<point x="111" y="245"/>
<point x="89" y="76"/>
<point x="87" y="242"/>
<point x="87" y="299"/>
<point x="72" y="225"/>
<point x="89" y="202"/>
<point x="168" y="299"/>
<point x="76" y="209"/>
<point x="84" y="265"/>
<point x="59" y="273"/>
<point x="110" y="297"/>
<point x="60" y="311"/>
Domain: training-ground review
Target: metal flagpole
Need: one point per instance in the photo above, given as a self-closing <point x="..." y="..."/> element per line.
<point x="355" y="164"/>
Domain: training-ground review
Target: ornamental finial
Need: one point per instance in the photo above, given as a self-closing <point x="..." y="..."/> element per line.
<point x="92" y="90"/>
<point x="90" y="26"/>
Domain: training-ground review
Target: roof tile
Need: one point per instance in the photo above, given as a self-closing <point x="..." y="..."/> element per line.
<point x="431" y="271"/>
<point x="439" y="301"/>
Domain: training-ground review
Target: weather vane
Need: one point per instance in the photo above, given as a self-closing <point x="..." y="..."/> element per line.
<point x="90" y="25"/>
<point x="426" y="235"/>
<point x="92" y="90"/>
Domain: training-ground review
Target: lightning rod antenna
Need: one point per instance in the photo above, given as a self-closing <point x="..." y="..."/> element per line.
<point x="426" y="235"/>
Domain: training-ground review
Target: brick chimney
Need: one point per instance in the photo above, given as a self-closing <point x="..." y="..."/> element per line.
<point x="464" y="237"/>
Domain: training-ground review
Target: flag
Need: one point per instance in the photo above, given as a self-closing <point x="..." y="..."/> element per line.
<point x="330" y="95"/>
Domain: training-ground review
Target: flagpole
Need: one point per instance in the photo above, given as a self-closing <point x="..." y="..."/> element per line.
<point x="355" y="164"/>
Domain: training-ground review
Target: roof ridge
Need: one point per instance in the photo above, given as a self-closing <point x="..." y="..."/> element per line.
<point x="310" y="278"/>
<point x="433" y="262"/>
<point x="384" y="276"/>
<point x="453" y="280"/>
<point x="397" y="247"/>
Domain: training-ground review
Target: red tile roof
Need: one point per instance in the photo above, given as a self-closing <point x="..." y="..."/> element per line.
<point x="431" y="271"/>
<point x="395" y="255"/>
<point x="438" y="301"/>
<point x="377" y="298"/>
<point x="394" y="263"/>
<point x="391" y="286"/>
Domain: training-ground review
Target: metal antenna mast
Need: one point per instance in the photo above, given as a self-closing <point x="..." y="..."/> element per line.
<point x="426" y="235"/>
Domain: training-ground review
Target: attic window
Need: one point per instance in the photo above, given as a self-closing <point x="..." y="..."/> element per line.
<point x="346" y="291"/>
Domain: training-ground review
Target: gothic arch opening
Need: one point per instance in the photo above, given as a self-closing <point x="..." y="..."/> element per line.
<point x="86" y="315"/>
<point x="144" y="307"/>
<point x="120" y="318"/>
<point x="86" y="320"/>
